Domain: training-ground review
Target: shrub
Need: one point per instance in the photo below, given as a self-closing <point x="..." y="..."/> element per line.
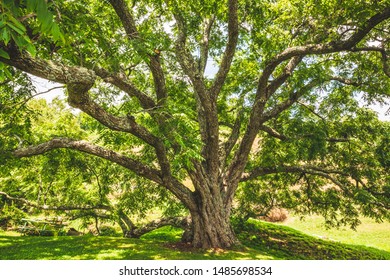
<point x="10" y="216"/>
<point x="107" y="231"/>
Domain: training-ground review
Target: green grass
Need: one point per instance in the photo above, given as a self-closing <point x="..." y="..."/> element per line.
<point x="287" y="243"/>
<point x="260" y="240"/>
<point x="369" y="233"/>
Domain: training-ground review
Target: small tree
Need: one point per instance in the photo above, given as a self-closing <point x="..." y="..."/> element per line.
<point x="277" y="123"/>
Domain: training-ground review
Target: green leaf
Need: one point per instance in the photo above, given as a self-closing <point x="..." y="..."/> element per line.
<point x="15" y="28"/>
<point x="4" y="54"/>
<point x="57" y="34"/>
<point x="32" y="5"/>
<point x="20" y="41"/>
<point x="31" y="49"/>
<point x="5" y="36"/>
<point x="18" y="24"/>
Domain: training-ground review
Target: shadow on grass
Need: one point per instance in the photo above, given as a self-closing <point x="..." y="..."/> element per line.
<point x="260" y="240"/>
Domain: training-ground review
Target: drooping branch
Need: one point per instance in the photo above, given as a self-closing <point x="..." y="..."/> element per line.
<point x="83" y="146"/>
<point x="56" y="208"/>
<point x="79" y="80"/>
<point x="155" y="175"/>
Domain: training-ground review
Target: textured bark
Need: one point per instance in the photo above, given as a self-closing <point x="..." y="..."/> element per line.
<point x="211" y="228"/>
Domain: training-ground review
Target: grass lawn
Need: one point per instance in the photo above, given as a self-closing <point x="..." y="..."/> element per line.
<point x="369" y="233"/>
<point x="260" y="240"/>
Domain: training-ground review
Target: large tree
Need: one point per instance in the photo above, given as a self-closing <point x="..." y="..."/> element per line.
<point x="250" y="97"/>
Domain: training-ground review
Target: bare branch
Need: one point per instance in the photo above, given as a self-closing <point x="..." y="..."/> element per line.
<point x="311" y="110"/>
<point x="345" y="81"/>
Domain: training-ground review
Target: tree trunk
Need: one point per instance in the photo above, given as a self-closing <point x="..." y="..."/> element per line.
<point x="210" y="228"/>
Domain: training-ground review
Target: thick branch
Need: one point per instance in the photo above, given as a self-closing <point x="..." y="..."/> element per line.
<point x="204" y="46"/>
<point x="282" y="78"/>
<point x="257" y="117"/>
<point x="334" y="46"/>
<point x="128" y="22"/>
<point x="128" y="124"/>
<point x="121" y="81"/>
<point x="49" y="70"/>
<point x="229" y="51"/>
<point x="56" y="208"/>
<point x="157" y="176"/>
<point x="83" y="146"/>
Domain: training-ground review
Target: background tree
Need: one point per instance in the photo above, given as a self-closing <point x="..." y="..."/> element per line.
<point x="71" y="184"/>
<point x="278" y="121"/>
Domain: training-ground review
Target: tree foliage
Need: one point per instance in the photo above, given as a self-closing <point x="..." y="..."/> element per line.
<point x="277" y="121"/>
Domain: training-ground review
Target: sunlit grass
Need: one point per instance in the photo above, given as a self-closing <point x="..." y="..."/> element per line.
<point x="369" y="233"/>
<point x="260" y="240"/>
